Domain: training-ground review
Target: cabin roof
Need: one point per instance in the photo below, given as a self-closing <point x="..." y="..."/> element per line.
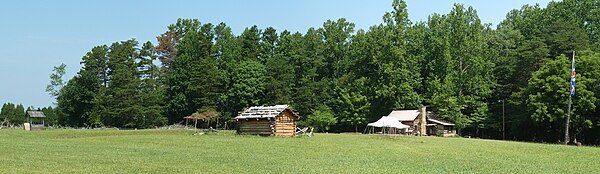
<point x="439" y="122"/>
<point x="433" y="118"/>
<point x="263" y="111"/>
<point x="36" y="114"/>
<point x="404" y="115"/>
<point x="411" y="115"/>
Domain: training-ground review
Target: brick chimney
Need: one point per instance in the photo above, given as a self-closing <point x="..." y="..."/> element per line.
<point x="423" y="121"/>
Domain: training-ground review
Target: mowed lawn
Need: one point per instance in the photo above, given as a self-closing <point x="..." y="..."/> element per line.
<point x="178" y="151"/>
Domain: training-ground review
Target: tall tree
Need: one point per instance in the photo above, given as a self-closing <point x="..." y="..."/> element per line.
<point x="18" y="115"/>
<point x="337" y="38"/>
<point x="548" y="92"/>
<point x="167" y="42"/>
<point x="7" y="114"/>
<point x="280" y="71"/>
<point x="306" y="57"/>
<point x="56" y="80"/>
<point x="117" y="105"/>
<point x="77" y="99"/>
<point x="193" y="81"/>
<point x="95" y="63"/>
<point x="459" y="71"/>
<point x="268" y="43"/>
<point x="151" y="92"/>
<point x="352" y="104"/>
<point x="248" y="82"/>
<point x="226" y="51"/>
<point x="250" y="43"/>
<point x="336" y="60"/>
<point x="385" y="62"/>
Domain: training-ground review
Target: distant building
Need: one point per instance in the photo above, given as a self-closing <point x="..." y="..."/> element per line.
<point x="35" y="120"/>
<point x="423" y="122"/>
<point x="278" y="120"/>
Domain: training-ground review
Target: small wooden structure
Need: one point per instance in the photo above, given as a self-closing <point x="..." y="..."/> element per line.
<point x="278" y="120"/>
<point x="35" y="120"/>
<point x="204" y="116"/>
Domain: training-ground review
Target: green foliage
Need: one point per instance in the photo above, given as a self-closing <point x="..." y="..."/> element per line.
<point x="56" y="80"/>
<point x="279" y="70"/>
<point x="336" y="39"/>
<point x="118" y="103"/>
<point x="464" y="70"/>
<point x="306" y="57"/>
<point x="117" y="86"/>
<point x="352" y="106"/>
<point x="439" y="133"/>
<point x="322" y="119"/>
<point x="248" y="82"/>
<point x="250" y="44"/>
<point x="151" y="93"/>
<point x="12" y="114"/>
<point x="95" y="63"/>
<point x="560" y="28"/>
<point x="458" y="69"/>
<point x="52" y="116"/>
<point x="193" y="80"/>
<point x="548" y="89"/>
<point x="77" y="99"/>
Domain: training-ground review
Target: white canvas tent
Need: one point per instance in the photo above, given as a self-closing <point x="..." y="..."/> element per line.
<point x="387" y="122"/>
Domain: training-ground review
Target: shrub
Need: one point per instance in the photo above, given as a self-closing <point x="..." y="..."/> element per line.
<point x="322" y="119"/>
<point x="439" y="133"/>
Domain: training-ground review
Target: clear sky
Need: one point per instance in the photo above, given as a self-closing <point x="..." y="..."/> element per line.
<point x="39" y="34"/>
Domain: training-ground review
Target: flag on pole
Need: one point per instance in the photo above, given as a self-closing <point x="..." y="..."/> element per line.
<point x="573" y="73"/>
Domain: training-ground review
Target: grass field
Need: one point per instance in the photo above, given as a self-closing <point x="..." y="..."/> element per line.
<point x="169" y="151"/>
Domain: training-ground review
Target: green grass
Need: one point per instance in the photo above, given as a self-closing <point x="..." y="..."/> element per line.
<point x="168" y="151"/>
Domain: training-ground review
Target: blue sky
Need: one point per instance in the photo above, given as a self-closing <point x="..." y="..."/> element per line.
<point x="37" y="35"/>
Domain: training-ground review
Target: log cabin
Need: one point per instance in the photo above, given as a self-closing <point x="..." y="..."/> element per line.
<point x="278" y="120"/>
<point x="423" y="122"/>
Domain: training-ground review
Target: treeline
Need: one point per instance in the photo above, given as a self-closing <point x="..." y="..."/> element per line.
<point x="14" y="115"/>
<point x="339" y="78"/>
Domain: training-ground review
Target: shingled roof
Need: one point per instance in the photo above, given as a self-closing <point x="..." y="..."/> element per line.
<point x="435" y="119"/>
<point x="411" y="115"/>
<point x="404" y="115"/>
<point x="262" y="111"/>
<point x="36" y="114"/>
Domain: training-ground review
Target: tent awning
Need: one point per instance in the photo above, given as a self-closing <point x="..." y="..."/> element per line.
<point x="386" y="121"/>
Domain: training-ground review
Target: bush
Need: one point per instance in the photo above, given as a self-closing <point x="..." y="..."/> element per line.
<point x="321" y="119"/>
<point x="439" y="133"/>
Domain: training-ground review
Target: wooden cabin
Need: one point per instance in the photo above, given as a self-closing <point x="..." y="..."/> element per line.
<point x="278" y="120"/>
<point x="423" y="122"/>
<point x="35" y="120"/>
<point x="434" y="126"/>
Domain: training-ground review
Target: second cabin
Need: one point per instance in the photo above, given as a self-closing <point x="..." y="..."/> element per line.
<point x="278" y="120"/>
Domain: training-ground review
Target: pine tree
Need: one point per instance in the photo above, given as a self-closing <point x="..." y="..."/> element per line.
<point x="193" y="81"/>
<point x="117" y="105"/>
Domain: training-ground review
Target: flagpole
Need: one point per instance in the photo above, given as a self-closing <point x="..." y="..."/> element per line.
<point x="567" y="122"/>
<point x="569" y="108"/>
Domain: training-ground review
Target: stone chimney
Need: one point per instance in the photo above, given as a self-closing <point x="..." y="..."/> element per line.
<point x="423" y="121"/>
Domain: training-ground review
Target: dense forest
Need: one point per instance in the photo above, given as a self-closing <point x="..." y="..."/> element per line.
<point x="339" y="78"/>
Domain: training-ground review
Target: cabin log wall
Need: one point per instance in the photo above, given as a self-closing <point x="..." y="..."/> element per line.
<point x="256" y="126"/>
<point x="285" y="124"/>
